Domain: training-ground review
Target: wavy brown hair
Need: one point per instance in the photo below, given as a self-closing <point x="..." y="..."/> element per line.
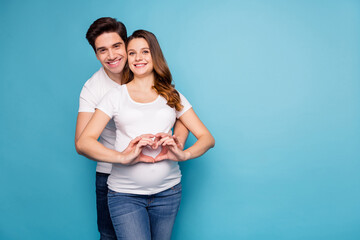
<point x="163" y="79"/>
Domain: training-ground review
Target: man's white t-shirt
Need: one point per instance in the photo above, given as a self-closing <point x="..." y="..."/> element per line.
<point x="133" y="119"/>
<point x="91" y="94"/>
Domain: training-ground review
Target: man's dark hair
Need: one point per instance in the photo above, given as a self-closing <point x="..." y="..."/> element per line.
<point x="105" y="25"/>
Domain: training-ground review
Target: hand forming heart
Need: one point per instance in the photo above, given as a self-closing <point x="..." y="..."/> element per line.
<point x="171" y="148"/>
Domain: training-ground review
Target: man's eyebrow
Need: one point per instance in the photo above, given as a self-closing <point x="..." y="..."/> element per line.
<point x="117" y="43"/>
<point x="100" y="48"/>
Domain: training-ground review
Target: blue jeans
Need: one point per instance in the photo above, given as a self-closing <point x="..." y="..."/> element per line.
<point x="144" y="217"/>
<point x="105" y="225"/>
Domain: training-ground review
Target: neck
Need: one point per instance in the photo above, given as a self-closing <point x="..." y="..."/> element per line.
<point x="143" y="83"/>
<point x="116" y="77"/>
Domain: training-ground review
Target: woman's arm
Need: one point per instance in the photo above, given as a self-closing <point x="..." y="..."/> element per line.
<point x="181" y="132"/>
<point x="88" y="145"/>
<point x="204" y="142"/>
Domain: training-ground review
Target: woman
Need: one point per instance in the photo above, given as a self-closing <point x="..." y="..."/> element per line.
<point x="145" y="188"/>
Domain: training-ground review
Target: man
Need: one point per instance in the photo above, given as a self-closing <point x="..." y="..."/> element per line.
<point x="107" y="37"/>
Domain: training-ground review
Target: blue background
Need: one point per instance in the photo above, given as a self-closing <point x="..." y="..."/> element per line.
<point x="276" y="82"/>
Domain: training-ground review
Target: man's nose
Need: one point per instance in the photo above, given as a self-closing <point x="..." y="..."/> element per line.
<point x="111" y="54"/>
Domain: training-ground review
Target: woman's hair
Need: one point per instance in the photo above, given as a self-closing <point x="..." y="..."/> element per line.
<point x="105" y="25"/>
<point x="162" y="74"/>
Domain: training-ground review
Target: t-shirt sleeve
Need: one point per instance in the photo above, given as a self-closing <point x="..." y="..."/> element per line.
<point x="107" y="103"/>
<point x="186" y="106"/>
<point x="87" y="102"/>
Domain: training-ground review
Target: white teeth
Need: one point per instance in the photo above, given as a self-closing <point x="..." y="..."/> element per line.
<point x="113" y="63"/>
<point x="139" y="65"/>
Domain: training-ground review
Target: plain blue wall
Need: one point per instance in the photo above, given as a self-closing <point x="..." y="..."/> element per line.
<point x="276" y="82"/>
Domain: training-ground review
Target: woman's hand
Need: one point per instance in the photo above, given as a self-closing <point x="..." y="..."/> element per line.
<point x="132" y="154"/>
<point x="171" y="148"/>
<point x="160" y="136"/>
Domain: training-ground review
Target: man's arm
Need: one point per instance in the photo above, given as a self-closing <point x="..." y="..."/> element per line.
<point x="88" y="145"/>
<point x="82" y="120"/>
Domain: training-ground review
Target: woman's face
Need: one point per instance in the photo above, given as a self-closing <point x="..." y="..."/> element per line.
<point x="139" y="57"/>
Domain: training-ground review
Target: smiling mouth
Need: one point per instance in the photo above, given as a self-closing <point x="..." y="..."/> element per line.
<point x="140" y="65"/>
<point x="114" y="63"/>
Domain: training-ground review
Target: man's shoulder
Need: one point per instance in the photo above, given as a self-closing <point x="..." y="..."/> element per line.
<point x="96" y="79"/>
<point x="118" y="90"/>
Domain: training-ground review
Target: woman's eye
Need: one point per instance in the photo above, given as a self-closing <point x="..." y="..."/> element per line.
<point x="131" y="53"/>
<point x="146" y="52"/>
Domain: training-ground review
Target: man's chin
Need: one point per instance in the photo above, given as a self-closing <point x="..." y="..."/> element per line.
<point x="117" y="70"/>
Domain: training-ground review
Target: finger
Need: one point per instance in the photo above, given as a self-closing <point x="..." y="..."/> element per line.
<point x="162" y="140"/>
<point x="176" y="139"/>
<point x="155" y="145"/>
<point x="169" y="142"/>
<point x="140" y="146"/>
<point x="164" y="151"/>
<point x="132" y="144"/>
<point x="147" y="135"/>
<point x="178" y="143"/>
<point x="145" y="142"/>
<point x="158" y="138"/>
<point x="134" y="141"/>
<point x="149" y="138"/>
<point x="161" y="135"/>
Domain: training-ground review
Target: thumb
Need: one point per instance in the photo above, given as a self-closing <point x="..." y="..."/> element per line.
<point x="146" y="158"/>
<point x="159" y="158"/>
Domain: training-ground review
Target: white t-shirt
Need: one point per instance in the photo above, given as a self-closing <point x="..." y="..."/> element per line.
<point x="133" y="119"/>
<point x="91" y="94"/>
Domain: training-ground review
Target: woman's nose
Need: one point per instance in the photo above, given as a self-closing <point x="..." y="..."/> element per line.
<point x="138" y="57"/>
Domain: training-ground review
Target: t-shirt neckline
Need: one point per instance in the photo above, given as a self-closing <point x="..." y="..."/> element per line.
<point x="132" y="100"/>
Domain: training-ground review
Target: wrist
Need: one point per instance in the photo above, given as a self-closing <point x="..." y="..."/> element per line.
<point x="120" y="158"/>
<point x="187" y="155"/>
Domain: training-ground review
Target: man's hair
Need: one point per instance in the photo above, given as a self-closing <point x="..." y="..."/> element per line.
<point x="105" y="25"/>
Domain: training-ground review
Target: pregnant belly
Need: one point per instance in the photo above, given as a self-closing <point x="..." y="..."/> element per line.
<point x="146" y="175"/>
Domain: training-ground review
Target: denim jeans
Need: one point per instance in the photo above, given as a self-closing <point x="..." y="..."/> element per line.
<point x="105" y="225"/>
<point x="144" y="217"/>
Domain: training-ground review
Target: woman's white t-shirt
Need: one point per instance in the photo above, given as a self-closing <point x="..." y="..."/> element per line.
<point x="133" y="119"/>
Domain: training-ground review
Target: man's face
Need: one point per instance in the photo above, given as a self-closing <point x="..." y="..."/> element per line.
<point x="111" y="52"/>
